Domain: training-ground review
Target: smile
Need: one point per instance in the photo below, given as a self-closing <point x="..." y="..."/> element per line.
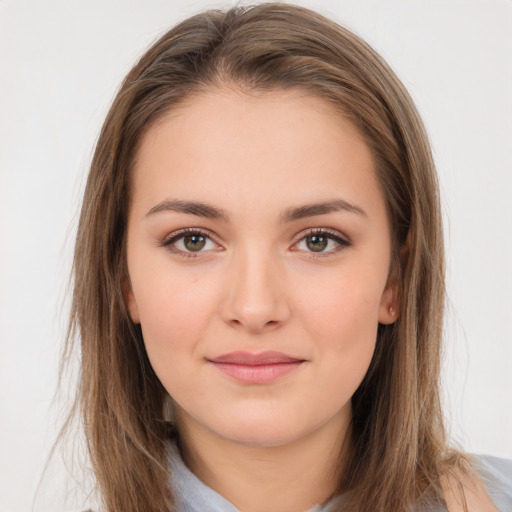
<point x="255" y="368"/>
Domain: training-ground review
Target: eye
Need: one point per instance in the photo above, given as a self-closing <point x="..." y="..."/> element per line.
<point x="321" y="241"/>
<point x="189" y="241"/>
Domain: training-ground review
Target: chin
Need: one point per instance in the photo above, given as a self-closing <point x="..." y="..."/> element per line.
<point x="264" y="430"/>
<point x="269" y="438"/>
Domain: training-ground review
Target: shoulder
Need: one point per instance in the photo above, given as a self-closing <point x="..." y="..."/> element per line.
<point x="485" y="485"/>
<point x="496" y="476"/>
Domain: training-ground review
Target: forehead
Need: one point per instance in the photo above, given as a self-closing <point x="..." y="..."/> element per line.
<point x="281" y="146"/>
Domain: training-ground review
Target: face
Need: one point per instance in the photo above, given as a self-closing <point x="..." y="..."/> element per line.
<point x="258" y="257"/>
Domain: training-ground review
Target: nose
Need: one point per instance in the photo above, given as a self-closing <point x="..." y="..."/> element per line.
<point x="255" y="298"/>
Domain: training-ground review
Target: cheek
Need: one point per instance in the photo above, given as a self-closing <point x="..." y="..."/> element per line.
<point x="174" y="310"/>
<point x="343" y="321"/>
<point x="344" y="307"/>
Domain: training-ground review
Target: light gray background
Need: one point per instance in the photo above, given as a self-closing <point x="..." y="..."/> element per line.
<point x="61" y="63"/>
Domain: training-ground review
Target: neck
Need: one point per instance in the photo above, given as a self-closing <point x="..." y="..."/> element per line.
<point x="292" y="476"/>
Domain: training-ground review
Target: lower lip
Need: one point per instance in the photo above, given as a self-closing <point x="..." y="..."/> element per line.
<point x="257" y="374"/>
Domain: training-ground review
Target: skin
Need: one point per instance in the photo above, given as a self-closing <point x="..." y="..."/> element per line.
<point x="466" y="492"/>
<point x="256" y="285"/>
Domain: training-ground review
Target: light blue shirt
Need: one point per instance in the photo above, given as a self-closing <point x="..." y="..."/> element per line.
<point x="192" y="495"/>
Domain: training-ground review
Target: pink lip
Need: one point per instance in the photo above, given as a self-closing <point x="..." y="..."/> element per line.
<point x="256" y="368"/>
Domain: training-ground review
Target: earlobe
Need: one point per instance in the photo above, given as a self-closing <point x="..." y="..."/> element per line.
<point x="131" y="304"/>
<point x="389" y="307"/>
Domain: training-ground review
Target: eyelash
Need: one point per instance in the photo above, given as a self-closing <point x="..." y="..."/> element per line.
<point x="343" y="243"/>
<point x="178" y="235"/>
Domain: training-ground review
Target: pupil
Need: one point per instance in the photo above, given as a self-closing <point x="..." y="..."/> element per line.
<point x="316" y="243"/>
<point x="194" y="242"/>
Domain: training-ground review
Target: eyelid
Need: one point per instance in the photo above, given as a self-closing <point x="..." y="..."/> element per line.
<point x="342" y="240"/>
<point x="173" y="237"/>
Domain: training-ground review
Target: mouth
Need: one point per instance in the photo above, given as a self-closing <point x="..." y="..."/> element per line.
<point x="259" y="368"/>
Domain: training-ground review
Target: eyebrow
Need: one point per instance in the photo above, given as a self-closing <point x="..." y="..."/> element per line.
<point x="192" y="207"/>
<point x="289" y="215"/>
<point x="313" y="209"/>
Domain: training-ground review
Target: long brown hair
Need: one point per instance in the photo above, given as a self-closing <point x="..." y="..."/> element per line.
<point x="398" y="443"/>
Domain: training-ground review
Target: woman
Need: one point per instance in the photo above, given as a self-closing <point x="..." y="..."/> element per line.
<point x="259" y="280"/>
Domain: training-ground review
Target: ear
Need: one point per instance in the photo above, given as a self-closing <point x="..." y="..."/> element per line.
<point x="389" y="308"/>
<point x="129" y="299"/>
<point x="389" y="303"/>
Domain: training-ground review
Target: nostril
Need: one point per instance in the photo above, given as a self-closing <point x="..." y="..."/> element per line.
<point x="254" y="326"/>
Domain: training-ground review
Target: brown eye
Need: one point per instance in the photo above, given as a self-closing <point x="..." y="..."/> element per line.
<point x="316" y="243"/>
<point x="191" y="243"/>
<point x="194" y="243"/>
<point x="322" y="242"/>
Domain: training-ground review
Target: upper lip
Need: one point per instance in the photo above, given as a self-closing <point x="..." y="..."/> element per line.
<point x="248" y="358"/>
